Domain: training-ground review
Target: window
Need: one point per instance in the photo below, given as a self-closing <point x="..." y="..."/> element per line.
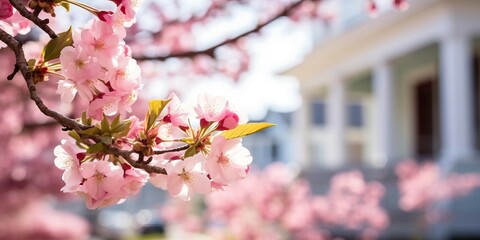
<point x="355" y="115"/>
<point x="318" y="113"/>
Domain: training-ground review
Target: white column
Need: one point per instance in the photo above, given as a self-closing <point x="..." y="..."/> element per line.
<point x="301" y="123"/>
<point x="456" y="90"/>
<point x="383" y="119"/>
<point x="336" y="124"/>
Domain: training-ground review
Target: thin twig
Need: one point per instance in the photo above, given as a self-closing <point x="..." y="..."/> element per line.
<point x="15" y="71"/>
<point x="211" y="50"/>
<point x="171" y="150"/>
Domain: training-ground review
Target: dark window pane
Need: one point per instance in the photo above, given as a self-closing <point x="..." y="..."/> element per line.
<point x="318" y="113"/>
<point x="355" y="115"/>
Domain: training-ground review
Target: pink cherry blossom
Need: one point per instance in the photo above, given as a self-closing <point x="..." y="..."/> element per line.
<point x="134" y="180"/>
<point x="176" y="112"/>
<point x="135" y="127"/>
<point x="117" y="20"/>
<point x="106" y="200"/>
<point x="102" y="179"/>
<point x="187" y="177"/>
<point x="67" y="90"/>
<point x="111" y="103"/>
<point x="228" y="160"/>
<point x="99" y="40"/>
<point x="87" y="90"/>
<point x="166" y="133"/>
<point x="128" y="8"/>
<point x="125" y="75"/>
<point x="211" y="108"/>
<point x="160" y="180"/>
<point x="78" y="66"/>
<point x="66" y="158"/>
<point x="15" y="24"/>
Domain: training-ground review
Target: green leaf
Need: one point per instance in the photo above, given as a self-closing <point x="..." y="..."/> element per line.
<point x="155" y="107"/>
<point x="91" y="131"/>
<point x="31" y="64"/>
<point x="106" y="139"/>
<point x="115" y="122"/>
<point x="66" y="6"/>
<point x="86" y="120"/>
<point x="246" y="129"/>
<point x="56" y="45"/>
<point x="122" y="130"/>
<point x="105" y="125"/>
<point x="74" y="135"/>
<point x="96" y="148"/>
<point x="191" y="151"/>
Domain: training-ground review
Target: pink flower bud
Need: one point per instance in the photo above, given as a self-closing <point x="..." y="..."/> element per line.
<point x="105" y="16"/>
<point x="229" y="122"/>
<point x="401" y="4"/>
<point x="6" y="9"/>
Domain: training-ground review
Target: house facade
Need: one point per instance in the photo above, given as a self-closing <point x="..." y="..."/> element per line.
<point x="403" y="85"/>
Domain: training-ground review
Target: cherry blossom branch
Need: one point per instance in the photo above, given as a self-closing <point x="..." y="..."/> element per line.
<point x="33" y="17"/>
<point x="126" y="155"/>
<point x="211" y="10"/>
<point x="66" y="122"/>
<point x="211" y="51"/>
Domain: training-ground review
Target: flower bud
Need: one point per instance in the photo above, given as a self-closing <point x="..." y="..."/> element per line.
<point x="6" y="9"/>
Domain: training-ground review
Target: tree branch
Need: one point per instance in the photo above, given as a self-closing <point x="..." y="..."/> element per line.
<point x="210" y="12"/>
<point x="43" y="24"/>
<point x="27" y="75"/>
<point x="68" y="123"/>
<point x="211" y="51"/>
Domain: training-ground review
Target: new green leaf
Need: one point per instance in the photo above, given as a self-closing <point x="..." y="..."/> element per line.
<point x="155" y="107"/>
<point x="246" y="129"/>
<point x="96" y="148"/>
<point x="56" y="45"/>
<point x="66" y="6"/>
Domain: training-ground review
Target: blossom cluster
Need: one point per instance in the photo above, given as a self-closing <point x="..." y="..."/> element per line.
<point x="209" y="161"/>
<point x="421" y="185"/>
<point x="184" y="150"/>
<point x="99" y="67"/>
<point x="100" y="183"/>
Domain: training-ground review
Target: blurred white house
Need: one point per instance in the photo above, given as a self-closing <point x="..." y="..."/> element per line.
<point x="405" y="84"/>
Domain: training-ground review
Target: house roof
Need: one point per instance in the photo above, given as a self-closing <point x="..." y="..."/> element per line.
<point x="364" y="37"/>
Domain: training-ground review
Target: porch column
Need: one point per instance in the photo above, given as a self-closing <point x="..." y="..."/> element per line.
<point x="301" y="123"/>
<point x="336" y="124"/>
<point x="456" y="92"/>
<point x="384" y="111"/>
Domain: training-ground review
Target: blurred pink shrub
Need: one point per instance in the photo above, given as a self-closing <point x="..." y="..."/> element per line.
<point x="27" y="173"/>
<point x="353" y="203"/>
<point x="421" y="185"/>
<point x="38" y="221"/>
<point x="273" y="204"/>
